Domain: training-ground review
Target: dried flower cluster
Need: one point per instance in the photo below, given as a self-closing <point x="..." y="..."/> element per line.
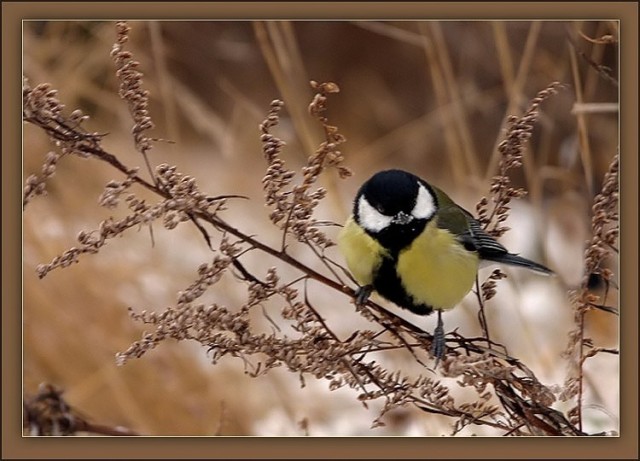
<point x="131" y="89"/>
<point x="519" y="130"/>
<point x="604" y="226"/>
<point x="41" y="107"/>
<point x="511" y="149"/>
<point x="185" y="200"/>
<point x="293" y="206"/>
<point x="604" y="241"/>
<point x="488" y="287"/>
<point x="509" y="397"/>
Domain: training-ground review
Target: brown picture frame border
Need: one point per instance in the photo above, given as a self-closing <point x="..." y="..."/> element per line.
<point x="15" y="446"/>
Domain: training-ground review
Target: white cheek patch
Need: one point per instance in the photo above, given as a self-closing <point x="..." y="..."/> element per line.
<point x="425" y="206"/>
<point x="370" y="218"/>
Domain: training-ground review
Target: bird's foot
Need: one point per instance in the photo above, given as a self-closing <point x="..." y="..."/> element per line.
<point x="362" y="294"/>
<point x="438" y="344"/>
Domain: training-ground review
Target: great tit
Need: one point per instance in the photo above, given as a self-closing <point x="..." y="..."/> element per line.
<point x="408" y="241"/>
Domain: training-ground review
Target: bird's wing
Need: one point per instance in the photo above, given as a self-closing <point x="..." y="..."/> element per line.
<point x="468" y="230"/>
<point x="469" y="233"/>
<point x="488" y="248"/>
<point x="485" y="245"/>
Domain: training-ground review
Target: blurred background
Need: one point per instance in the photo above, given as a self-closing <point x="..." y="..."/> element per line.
<point x="429" y="97"/>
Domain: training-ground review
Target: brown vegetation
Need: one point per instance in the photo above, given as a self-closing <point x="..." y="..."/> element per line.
<point x="215" y="244"/>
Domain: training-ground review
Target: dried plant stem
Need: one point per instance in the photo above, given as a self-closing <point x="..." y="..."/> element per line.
<point x="277" y="44"/>
<point x="505" y="57"/>
<point x="516" y="90"/>
<point x="603" y="242"/>
<point x="585" y="146"/>
<point x="469" y="152"/>
<point x="482" y="318"/>
<point x="455" y="149"/>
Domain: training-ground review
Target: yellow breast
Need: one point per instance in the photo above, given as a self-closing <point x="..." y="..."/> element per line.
<point x="437" y="270"/>
<point x="434" y="270"/>
<point x="362" y="253"/>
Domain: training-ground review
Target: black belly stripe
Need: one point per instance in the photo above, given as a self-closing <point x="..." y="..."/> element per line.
<point x="388" y="285"/>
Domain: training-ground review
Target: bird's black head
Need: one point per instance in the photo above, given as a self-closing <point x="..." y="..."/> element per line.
<point x="394" y="206"/>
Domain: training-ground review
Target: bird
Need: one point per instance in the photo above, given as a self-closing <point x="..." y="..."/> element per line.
<point x="411" y="243"/>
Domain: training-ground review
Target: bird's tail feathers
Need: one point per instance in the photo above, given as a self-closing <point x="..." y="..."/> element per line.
<point x="515" y="260"/>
